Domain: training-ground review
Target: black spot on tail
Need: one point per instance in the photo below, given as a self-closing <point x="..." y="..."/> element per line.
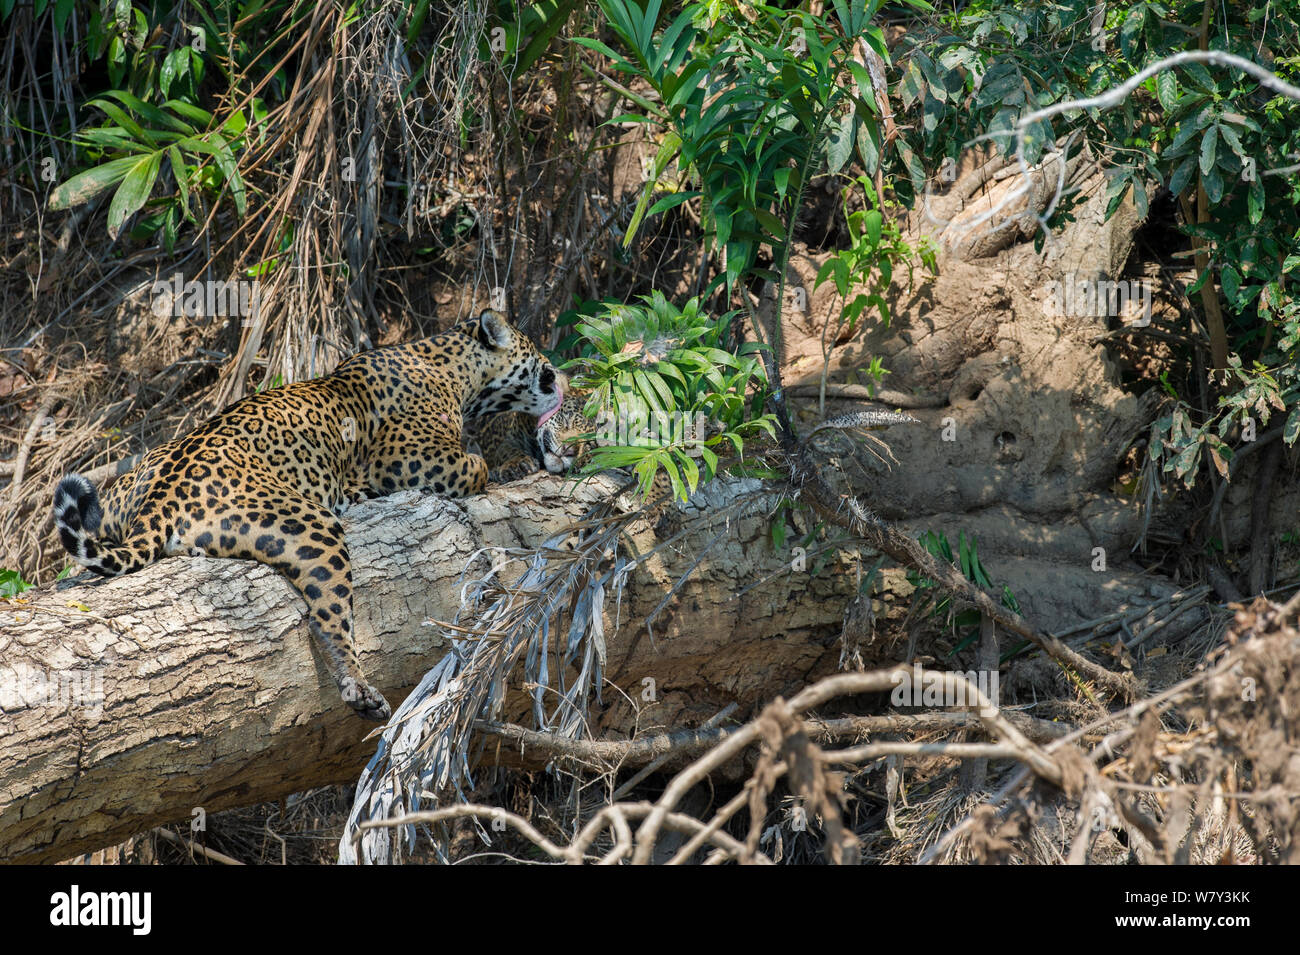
<point x="76" y="504"/>
<point x="77" y="515"/>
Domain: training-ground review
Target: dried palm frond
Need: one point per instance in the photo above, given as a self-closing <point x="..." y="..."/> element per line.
<point x="553" y="618"/>
<point x="425" y="747"/>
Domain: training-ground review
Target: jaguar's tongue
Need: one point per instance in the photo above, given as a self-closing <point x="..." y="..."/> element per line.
<point x="559" y="400"/>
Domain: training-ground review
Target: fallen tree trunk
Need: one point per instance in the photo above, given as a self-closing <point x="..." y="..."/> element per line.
<point x="192" y="685"/>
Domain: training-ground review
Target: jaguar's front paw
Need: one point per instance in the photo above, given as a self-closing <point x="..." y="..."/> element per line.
<point x="368" y="702"/>
<point x="557" y="463"/>
<point x="520" y="467"/>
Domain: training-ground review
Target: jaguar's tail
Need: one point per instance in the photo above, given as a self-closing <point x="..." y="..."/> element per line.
<point x="77" y="515"/>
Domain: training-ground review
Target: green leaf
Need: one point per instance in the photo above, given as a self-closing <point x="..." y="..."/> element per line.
<point x="690" y="470"/>
<point x="1116" y="189"/>
<point x="1200" y="281"/>
<point x="782" y="180"/>
<point x="1213" y="185"/>
<point x="710" y="461"/>
<point x="868" y="143"/>
<point x="1229" y="136"/>
<point x="771" y="223"/>
<point x="109" y="137"/>
<point x="670" y="468"/>
<point x="1201" y="77"/>
<point x="169" y="228"/>
<point x="195" y="113"/>
<point x="1230" y="279"/>
<point x="225" y="160"/>
<point x="1167" y="90"/>
<point x="133" y="192"/>
<point x="669" y="149"/>
<point x="670" y="202"/>
<point x="85" y="186"/>
<point x="645" y="472"/>
<point x="62" y="10"/>
<point x="553" y="14"/>
<point x="152" y="113"/>
<point x="1208" y="144"/>
<point x="873" y="222"/>
<point x="12" y="583"/>
<point x="119" y="116"/>
<point x="661" y="392"/>
<point x="1255" y="201"/>
<point x="181" y="175"/>
<point x="826" y="270"/>
<point x="839" y="148"/>
<point x="1182" y="175"/>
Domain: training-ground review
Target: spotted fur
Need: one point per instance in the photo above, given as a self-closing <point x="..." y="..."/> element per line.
<point x="514" y="445"/>
<point x="265" y="479"/>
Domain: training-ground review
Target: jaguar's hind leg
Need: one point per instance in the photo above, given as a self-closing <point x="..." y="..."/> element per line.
<point x="304" y="542"/>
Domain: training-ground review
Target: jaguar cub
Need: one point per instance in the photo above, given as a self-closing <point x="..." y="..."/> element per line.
<point x="516" y="444"/>
<point x="265" y="479"/>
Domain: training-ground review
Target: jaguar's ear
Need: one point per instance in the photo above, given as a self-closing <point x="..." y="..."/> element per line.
<point x="494" y="331"/>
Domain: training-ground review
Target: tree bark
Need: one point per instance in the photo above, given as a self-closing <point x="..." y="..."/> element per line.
<point x="132" y="702"/>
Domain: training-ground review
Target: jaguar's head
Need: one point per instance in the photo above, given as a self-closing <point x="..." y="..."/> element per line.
<point x="516" y="376"/>
<point x="558" y="435"/>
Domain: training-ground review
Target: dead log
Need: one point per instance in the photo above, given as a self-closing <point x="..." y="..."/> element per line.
<point x="193" y="685"/>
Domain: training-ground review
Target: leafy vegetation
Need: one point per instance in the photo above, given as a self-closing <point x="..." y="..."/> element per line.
<point x="12" y="583"/>
<point x="667" y="391"/>
<point x="965" y="624"/>
<point x="199" y="120"/>
<point x="753" y="102"/>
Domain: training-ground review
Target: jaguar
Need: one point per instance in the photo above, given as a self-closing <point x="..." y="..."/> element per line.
<point x="267" y="478"/>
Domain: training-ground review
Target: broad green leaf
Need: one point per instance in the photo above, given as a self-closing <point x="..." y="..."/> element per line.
<point x="1167" y="89"/>
<point x="12" y="583"/>
<point x="133" y="192"/>
<point x="1230" y="279"/>
<point x="690" y="470"/>
<point x="1208" y="144"/>
<point x="839" y="147"/>
<point x="85" y="186"/>
<point x="1182" y="175"/>
<point x="553" y="14"/>
<point x="1213" y="185"/>
<point x="1255" y="201"/>
<point x="873" y="222"/>
<point x="670" y="202"/>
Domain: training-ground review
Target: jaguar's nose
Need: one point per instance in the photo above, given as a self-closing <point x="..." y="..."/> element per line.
<point x="547" y="378"/>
